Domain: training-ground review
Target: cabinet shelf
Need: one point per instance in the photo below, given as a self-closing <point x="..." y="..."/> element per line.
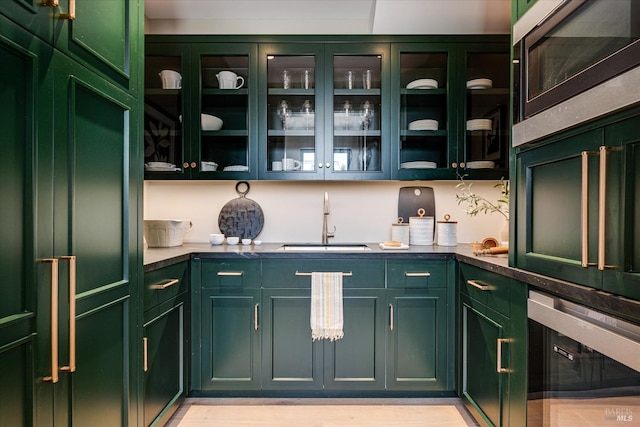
<point x="423" y="92"/>
<point x="423" y="133"/>
<point x="348" y="92"/>
<point x="356" y="133"/>
<point x="309" y="133"/>
<point x="224" y="133"/>
<point x="285" y="92"/>
<point x="495" y="91"/>
<point x="172" y="92"/>
<point x="226" y="92"/>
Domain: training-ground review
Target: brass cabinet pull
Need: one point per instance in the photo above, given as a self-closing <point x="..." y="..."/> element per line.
<point x="72" y="314"/>
<point x="602" y="204"/>
<point x="300" y="273"/>
<point x="499" y="368"/>
<point x="417" y="274"/>
<point x="230" y="273"/>
<point x="255" y="317"/>
<point x="391" y="317"/>
<point x="145" y="355"/>
<point x="54" y="321"/>
<point x="584" y="208"/>
<point x="479" y="285"/>
<point x="72" y="9"/>
<point x="165" y="284"/>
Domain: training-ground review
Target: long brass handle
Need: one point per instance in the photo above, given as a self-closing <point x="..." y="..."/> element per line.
<point x="165" y="285"/>
<point x="72" y="314"/>
<point x="72" y="8"/>
<point x="391" y="317"/>
<point x="417" y="274"/>
<point x="255" y="317"/>
<point x="479" y="285"/>
<point x="602" y="210"/>
<point x="347" y="274"/>
<point x="584" y="209"/>
<point x="230" y="273"/>
<point x="499" y="368"/>
<point x="54" y="321"/>
<point x="145" y="357"/>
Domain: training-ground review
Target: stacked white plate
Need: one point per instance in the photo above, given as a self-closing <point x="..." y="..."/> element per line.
<point x="423" y="84"/>
<point x="235" y="168"/>
<point x="479" y="124"/>
<point x="160" y="167"/>
<point x="479" y="84"/>
<point x="421" y="230"/>
<point x="418" y="165"/>
<point x="481" y="164"/>
<point x="425" y="124"/>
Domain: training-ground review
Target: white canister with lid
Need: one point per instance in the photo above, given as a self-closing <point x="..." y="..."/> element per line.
<point x="447" y="232"/>
<point x="400" y="232"/>
<point x="421" y="229"/>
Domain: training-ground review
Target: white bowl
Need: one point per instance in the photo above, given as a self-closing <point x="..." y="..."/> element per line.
<point x="257" y="242"/>
<point x="210" y="122"/>
<point x="232" y="240"/>
<point x="165" y="233"/>
<point x="216" y="239"/>
<point x="246" y="241"/>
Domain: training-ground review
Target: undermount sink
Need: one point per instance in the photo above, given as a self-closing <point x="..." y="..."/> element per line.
<point x="312" y="247"/>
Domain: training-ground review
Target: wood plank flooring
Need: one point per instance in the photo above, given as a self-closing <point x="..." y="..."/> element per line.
<point x="241" y="412"/>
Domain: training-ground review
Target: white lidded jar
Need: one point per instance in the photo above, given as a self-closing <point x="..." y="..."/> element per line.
<point x="447" y="232"/>
<point x="421" y="229"/>
<point x="400" y="232"/>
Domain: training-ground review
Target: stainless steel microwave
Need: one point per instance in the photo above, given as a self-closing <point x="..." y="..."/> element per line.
<point x="563" y="49"/>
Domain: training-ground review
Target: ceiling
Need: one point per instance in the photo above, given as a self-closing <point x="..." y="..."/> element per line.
<point x="327" y="16"/>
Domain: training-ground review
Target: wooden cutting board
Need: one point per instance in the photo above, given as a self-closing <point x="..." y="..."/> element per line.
<point x="410" y="199"/>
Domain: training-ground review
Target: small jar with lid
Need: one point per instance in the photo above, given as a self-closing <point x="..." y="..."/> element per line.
<point x="447" y="232"/>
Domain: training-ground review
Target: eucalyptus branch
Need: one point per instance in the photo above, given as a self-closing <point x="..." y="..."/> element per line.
<point x="477" y="204"/>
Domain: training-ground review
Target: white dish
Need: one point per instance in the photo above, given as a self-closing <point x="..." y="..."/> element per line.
<point x="424" y="124"/>
<point x="402" y="246"/>
<point x="479" y="124"/>
<point x="418" y="165"/>
<point x="479" y="84"/>
<point x="233" y="240"/>
<point x="236" y="168"/>
<point x="208" y="166"/>
<point x="481" y="164"/>
<point x="423" y="84"/>
<point x="210" y="122"/>
<point x="169" y="168"/>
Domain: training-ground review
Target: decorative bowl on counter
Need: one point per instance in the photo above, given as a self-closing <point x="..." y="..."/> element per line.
<point x="165" y="233"/>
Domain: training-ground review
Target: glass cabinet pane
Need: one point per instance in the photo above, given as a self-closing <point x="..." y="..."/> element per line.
<point x="291" y="113"/>
<point x="487" y="85"/>
<point x="224" y="109"/>
<point x="357" y="108"/>
<point x="423" y="111"/>
<point x="163" y="105"/>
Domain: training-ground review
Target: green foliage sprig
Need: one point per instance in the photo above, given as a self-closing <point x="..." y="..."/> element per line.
<point x="477" y="204"/>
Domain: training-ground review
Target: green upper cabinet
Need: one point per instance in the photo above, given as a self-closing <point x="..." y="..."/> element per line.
<point x="519" y="8"/>
<point x="102" y="35"/>
<point x="582" y="230"/>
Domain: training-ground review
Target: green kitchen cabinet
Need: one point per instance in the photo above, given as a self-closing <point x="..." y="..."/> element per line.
<point x="420" y="334"/>
<point x="165" y="342"/>
<point x="493" y="352"/>
<point x="226" y="324"/>
<point x="103" y="35"/>
<point x="451" y="112"/>
<point x="577" y="204"/>
<point x="519" y="8"/>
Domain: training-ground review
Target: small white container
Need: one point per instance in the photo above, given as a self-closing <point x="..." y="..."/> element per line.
<point x="233" y="240"/>
<point x="400" y="233"/>
<point x="421" y="229"/>
<point x="447" y="232"/>
<point x="246" y="242"/>
<point x="216" y="239"/>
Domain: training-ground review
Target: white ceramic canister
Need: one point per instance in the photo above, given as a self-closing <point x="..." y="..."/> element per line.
<point x="447" y="232"/>
<point x="421" y="229"/>
<point x="400" y="232"/>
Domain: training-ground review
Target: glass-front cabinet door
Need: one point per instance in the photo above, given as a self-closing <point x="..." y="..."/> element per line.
<point x="358" y="118"/>
<point x="486" y="138"/>
<point x="164" y="107"/>
<point x="426" y="131"/>
<point x="291" y="98"/>
<point x="223" y="112"/>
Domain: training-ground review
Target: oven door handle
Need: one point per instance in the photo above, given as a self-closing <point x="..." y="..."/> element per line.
<point x="610" y="343"/>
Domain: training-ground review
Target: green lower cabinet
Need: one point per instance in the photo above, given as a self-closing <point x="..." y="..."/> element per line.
<point x="418" y="341"/>
<point x="230" y="339"/>
<point x="163" y="363"/>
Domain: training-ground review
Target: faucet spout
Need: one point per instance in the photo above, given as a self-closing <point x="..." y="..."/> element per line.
<point x="326" y="234"/>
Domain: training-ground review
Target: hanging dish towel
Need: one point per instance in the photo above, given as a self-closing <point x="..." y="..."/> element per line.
<point x="326" y="306"/>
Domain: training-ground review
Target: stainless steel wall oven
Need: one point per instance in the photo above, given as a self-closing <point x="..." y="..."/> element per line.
<point x="584" y="366"/>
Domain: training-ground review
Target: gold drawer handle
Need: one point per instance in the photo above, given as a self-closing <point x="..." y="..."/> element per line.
<point x="479" y="285"/>
<point x="499" y="368"/>
<point x="230" y="273"/>
<point x="145" y="354"/>
<point x="417" y="274"/>
<point x="299" y="273"/>
<point x="72" y="9"/>
<point x="165" y="285"/>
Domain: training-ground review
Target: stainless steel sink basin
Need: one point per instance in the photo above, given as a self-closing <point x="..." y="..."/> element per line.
<point x="312" y="247"/>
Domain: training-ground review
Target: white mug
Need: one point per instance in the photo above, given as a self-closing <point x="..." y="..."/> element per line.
<point x="290" y="164"/>
<point x="229" y="80"/>
<point x="276" y="165"/>
<point x="170" y="79"/>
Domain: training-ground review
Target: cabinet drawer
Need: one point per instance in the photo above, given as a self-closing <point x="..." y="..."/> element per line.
<point x="486" y="287"/>
<point x="362" y="273"/>
<point x="163" y="284"/>
<point x="410" y="274"/>
<point x="230" y="273"/>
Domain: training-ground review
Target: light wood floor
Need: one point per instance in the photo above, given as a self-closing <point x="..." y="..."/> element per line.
<point x="321" y="413"/>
